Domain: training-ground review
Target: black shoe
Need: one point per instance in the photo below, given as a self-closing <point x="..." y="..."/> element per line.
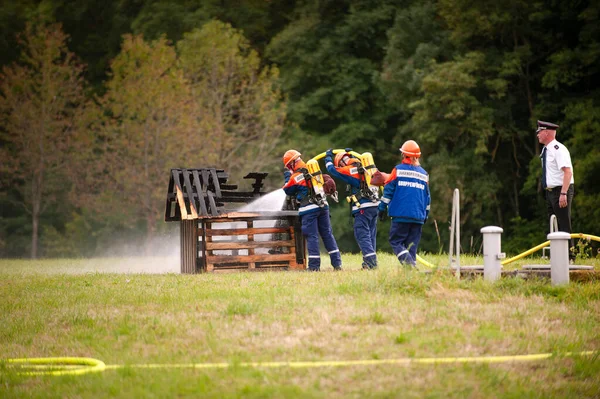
<point x="365" y="266"/>
<point x="337" y="268"/>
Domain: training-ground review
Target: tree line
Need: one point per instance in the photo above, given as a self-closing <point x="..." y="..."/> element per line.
<point x="97" y="108"/>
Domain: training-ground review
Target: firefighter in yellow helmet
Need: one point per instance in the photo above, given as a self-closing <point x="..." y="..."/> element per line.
<point x="313" y="212"/>
<point x="407" y="199"/>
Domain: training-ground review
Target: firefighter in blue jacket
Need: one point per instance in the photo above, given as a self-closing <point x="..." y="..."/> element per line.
<point x="364" y="202"/>
<point x="407" y="198"/>
<point x="313" y="211"/>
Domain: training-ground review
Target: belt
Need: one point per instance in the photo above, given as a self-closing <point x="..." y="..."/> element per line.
<point x="557" y="188"/>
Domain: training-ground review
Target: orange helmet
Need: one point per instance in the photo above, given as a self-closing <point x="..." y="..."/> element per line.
<point x="410" y="148"/>
<point x="342" y="157"/>
<point x="289" y="156"/>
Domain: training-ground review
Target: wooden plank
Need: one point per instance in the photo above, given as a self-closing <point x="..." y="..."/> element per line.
<point x="170" y="190"/>
<point x="300" y="263"/>
<point x="246" y="270"/>
<point x="203" y="210"/>
<point x="293" y="247"/>
<point x="259" y="265"/>
<point x="182" y="208"/>
<point x="188" y="242"/>
<point x="228" y="187"/>
<point x="212" y="259"/>
<point x="265" y="215"/>
<point x="250" y="225"/>
<point x="214" y="210"/>
<point x="207" y="253"/>
<point x="204" y="180"/>
<point x="215" y="179"/>
<point x="245" y="232"/>
<point x="219" y="245"/>
<point x="190" y="193"/>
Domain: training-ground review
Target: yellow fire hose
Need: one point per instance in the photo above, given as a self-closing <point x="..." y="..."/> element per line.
<point x="50" y="365"/>
<point x="322" y="155"/>
<point x="545" y="244"/>
<point x="423" y="261"/>
<point x="528" y="252"/>
<point x="55" y="365"/>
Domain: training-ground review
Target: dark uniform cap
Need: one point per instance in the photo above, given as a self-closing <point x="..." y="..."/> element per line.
<point x="546" y="126"/>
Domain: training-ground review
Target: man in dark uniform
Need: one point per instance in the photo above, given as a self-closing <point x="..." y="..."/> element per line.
<point x="557" y="177"/>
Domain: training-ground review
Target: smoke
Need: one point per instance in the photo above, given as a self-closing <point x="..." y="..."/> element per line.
<point x="135" y="254"/>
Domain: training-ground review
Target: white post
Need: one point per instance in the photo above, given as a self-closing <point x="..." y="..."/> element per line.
<point x="455" y="227"/>
<point x="491" y="252"/>
<point x="559" y="257"/>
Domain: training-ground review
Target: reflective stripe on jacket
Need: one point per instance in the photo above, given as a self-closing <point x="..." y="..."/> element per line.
<point x="406" y="194"/>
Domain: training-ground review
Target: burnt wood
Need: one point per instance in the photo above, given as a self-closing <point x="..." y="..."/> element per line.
<point x="204" y="192"/>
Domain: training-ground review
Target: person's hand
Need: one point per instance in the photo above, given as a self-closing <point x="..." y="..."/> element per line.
<point x="382" y="214"/>
<point x="329" y="156"/>
<point x="562" y="201"/>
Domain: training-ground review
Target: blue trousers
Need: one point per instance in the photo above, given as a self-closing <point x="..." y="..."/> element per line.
<point x="315" y="224"/>
<point x="404" y="238"/>
<point x="365" y="231"/>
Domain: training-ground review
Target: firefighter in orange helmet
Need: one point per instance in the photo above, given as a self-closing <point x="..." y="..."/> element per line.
<point x="349" y="169"/>
<point x="313" y="212"/>
<point x="406" y="195"/>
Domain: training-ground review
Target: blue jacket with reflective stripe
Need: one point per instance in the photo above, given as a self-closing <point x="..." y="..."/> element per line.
<point x="296" y="186"/>
<point x="406" y="194"/>
<point x="349" y="174"/>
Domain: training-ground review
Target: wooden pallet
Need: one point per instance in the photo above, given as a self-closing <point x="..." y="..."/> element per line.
<point x="244" y="241"/>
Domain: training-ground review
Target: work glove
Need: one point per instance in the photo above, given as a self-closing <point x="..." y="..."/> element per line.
<point x="382" y="214"/>
<point x="329" y="155"/>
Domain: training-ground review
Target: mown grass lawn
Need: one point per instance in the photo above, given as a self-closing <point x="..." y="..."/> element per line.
<point x="89" y="308"/>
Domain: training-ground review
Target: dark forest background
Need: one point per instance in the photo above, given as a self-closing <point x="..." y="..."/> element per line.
<point x="99" y="99"/>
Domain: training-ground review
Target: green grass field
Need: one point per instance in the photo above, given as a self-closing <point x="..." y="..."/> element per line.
<point x="106" y="309"/>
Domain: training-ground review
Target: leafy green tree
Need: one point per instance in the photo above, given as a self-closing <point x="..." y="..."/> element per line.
<point x="583" y="120"/>
<point x="13" y="16"/>
<point x="330" y="56"/>
<point x="239" y="103"/>
<point x="148" y="128"/>
<point x="258" y="20"/>
<point x="41" y="99"/>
